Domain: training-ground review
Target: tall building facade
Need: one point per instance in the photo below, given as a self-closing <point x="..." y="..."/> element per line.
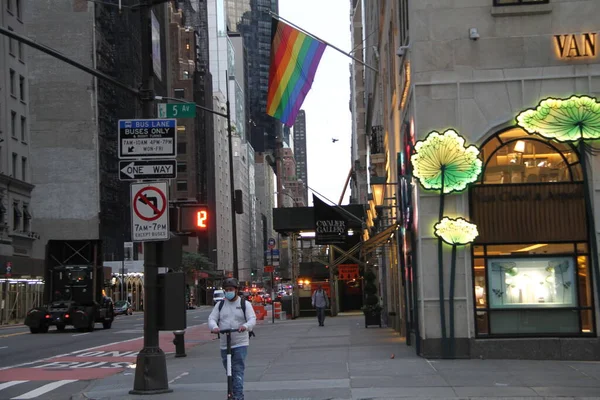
<point x="251" y="18"/>
<point x="78" y="194"/>
<point x="531" y="271"/>
<point x="195" y="13"/>
<point x="18" y="230"/>
<point x="300" y="151"/>
<point x="183" y="57"/>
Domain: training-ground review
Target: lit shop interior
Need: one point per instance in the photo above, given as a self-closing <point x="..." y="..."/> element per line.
<point x="531" y="267"/>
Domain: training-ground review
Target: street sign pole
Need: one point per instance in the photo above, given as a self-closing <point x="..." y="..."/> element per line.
<point x="151" y="364"/>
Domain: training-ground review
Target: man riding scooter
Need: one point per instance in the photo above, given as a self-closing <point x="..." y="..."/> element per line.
<point x="236" y="316"/>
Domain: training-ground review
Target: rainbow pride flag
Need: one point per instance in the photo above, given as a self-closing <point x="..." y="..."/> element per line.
<point x="295" y="57"/>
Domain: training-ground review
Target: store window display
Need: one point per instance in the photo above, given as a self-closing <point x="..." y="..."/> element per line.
<point x="531" y="272"/>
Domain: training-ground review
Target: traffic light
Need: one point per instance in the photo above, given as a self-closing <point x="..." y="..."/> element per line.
<point x="194" y="218"/>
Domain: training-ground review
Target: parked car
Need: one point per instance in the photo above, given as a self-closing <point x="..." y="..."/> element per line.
<point x="218" y="295"/>
<point x="123" y="307"/>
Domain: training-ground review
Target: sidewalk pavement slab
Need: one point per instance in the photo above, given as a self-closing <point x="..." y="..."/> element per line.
<point x="298" y="360"/>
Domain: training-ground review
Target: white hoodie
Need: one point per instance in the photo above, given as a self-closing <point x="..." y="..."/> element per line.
<point x="232" y="317"/>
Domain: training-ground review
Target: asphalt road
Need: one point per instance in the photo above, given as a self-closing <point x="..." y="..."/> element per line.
<point x="18" y="346"/>
<point x="42" y="366"/>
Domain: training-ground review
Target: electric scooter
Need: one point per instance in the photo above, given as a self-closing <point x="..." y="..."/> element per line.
<point x="228" y="367"/>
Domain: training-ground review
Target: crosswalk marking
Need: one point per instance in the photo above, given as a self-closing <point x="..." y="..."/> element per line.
<point x="43" y="389"/>
<point x="9" y="384"/>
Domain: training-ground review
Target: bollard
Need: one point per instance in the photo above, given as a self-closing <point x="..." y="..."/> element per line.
<point x="179" y="343"/>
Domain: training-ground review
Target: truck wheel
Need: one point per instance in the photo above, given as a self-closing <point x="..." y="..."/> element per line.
<point x="44" y="329"/>
<point x="34" y="330"/>
<point x="91" y="327"/>
<point x="60" y="327"/>
<point x="107" y="324"/>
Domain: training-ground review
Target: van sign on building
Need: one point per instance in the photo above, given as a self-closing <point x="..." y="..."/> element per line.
<point x="571" y="46"/>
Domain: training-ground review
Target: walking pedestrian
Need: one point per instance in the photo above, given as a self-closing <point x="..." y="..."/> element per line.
<point x="320" y="301"/>
<point x="236" y="313"/>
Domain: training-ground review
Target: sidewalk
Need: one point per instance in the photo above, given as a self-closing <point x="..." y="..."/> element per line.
<point x="298" y="360"/>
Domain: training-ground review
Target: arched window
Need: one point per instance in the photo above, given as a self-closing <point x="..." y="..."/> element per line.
<point x="515" y="156"/>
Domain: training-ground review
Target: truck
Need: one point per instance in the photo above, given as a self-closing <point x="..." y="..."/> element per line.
<point x="73" y="289"/>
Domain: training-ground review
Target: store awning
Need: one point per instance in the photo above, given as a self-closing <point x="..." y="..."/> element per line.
<point x="379" y="239"/>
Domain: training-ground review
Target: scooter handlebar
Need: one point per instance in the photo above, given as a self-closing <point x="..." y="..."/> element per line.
<point x="227" y="331"/>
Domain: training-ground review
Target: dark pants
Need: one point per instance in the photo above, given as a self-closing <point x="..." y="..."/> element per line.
<point x="321" y="315"/>
<point x="238" y="358"/>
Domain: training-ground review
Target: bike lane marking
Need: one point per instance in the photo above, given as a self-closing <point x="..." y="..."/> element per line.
<point x="99" y="361"/>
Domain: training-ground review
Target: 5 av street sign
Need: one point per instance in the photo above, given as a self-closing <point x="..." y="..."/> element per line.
<point x="147" y="169"/>
<point x="177" y="110"/>
<point x="147" y="138"/>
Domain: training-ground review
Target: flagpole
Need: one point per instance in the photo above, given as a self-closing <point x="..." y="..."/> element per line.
<point x="322" y="41"/>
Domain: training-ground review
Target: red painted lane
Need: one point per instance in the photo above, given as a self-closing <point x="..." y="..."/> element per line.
<point x="100" y="362"/>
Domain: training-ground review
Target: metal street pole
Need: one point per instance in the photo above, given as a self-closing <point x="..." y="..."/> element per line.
<point x="151" y="364"/>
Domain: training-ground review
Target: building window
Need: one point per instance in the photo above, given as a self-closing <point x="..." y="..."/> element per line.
<point x="518" y="2"/>
<point x="181" y="167"/>
<point x="182" y="186"/>
<point x="514" y="156"/>
<point x="22" y="87"/>
<point x="16" y="216"/>
<point x="530" y="279"/>
<point x="11" y="44"/>
<point x="546" y="285"/>
<point x="19" y="9"/>
<point x="15" y="157"/>
<point x="2" y="213"/>
<point x="13" y="88"/>
<point x="24" y="169"/>
<point x="13" y="123"/>
<point x="21" y="52"/>
<point x="26" y="218"/>
<point x="179" y="93"/>
<point x="9" y="5"/>
<point x="23" y="129"/>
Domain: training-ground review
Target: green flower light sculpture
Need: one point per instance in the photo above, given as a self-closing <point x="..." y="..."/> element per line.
<point x="457" y="231"/>
<point x="566" y="120"/>
<point x="442" y="162"/>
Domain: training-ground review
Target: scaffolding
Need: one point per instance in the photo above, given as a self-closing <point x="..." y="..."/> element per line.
<point x="19" y="296"/>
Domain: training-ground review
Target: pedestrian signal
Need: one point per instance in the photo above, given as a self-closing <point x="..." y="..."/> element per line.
<point x="194" y="218"/>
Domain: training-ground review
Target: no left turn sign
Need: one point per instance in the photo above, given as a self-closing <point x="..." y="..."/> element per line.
<point x="149" y="216"/>
<point x="153" y="199"/>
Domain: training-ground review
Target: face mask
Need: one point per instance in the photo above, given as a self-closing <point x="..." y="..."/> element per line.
<point x="229" y="295"/>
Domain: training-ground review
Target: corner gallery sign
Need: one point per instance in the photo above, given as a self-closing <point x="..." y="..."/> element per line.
<point x="539" y="213"/>
<point x="331" y="227"/>
<point x="574" y="46"/>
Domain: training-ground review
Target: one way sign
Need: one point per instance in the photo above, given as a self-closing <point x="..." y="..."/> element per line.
<point x="150" y="169"/>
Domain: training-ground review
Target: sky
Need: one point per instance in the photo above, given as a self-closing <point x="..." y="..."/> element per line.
<point x="326" y="105"/>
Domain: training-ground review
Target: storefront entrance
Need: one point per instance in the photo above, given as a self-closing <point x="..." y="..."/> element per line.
<point x="531" y="265"/>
